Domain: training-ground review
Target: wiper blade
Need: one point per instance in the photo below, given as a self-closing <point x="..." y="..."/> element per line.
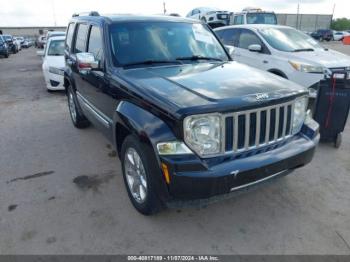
<point x="303" y="50"/>
<point x="198" y="57"/>
<point x="151" y="62"/>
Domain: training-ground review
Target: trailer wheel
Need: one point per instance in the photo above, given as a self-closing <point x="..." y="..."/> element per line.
<point x="338" y="140"/>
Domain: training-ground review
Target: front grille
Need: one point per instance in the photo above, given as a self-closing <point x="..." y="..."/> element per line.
<point x="258" y="127"/>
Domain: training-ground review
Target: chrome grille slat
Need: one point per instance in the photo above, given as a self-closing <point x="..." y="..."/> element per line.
<point x="247" y="130"/>
<point x="235" y="132"/>
<point x="257" y="132"/>
<point x="285" y="118"/>
<point x="251" y="121"/>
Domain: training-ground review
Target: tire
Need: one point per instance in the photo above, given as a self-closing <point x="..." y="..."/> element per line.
<point x="338" y="140"/>
<point x="76" y="114"/>
<point x="6" y="55"/>
<point x="147" y="203"/>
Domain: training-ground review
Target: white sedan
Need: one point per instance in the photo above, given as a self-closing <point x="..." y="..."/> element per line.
<point x="283" y="51"/>
<point x="53" y="63"/>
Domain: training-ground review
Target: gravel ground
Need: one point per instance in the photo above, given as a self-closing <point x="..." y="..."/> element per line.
<point x="43" y="212"/>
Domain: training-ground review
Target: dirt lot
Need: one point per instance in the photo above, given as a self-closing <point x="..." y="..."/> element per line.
<point x="43" y="212"/>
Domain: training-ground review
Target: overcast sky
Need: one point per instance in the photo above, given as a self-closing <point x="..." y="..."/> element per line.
<point x="51" y="12"/>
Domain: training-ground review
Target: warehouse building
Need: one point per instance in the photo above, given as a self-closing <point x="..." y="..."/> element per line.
<point x="305" y="22"/>
<point x="30" y="31"/>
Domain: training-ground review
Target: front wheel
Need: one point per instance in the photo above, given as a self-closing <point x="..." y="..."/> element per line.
<point x="138" y="176"/>
<point x="78" y="118"/>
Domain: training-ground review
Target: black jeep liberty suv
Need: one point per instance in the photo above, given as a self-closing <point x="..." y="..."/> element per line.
<point x="188" y="123"/>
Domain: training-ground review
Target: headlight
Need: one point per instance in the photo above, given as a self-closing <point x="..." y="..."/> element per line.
<point x="203" y="134"/>
<point x="173" y="148"/>
<point x="306" y="68"/>
<point x="299" y="114"/>
<point x="56" y="71"/>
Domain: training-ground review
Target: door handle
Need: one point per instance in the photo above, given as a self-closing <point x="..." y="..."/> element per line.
<point x="265" y="62"/>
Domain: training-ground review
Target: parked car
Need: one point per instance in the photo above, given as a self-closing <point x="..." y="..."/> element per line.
<point x="11" y="44"/>
<point x="26" y="44"/>
<point x="339" y="35"/>
<point x="213" y="16"/>
<point x="4" y="50"/>
<point x="53" y="63"/>
<point x="54" y="33"/>
<point x="323" y="34"/>
<point x="283" y="51"/>
<point x="253" y="16"/>
<point x="17" y="42"/>
<point x="187" y="122"/>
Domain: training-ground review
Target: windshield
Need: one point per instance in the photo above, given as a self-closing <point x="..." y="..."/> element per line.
<point x="289" y="39"/>
<point x="7" y="37"/>
<point x="261" y="18"/>
<point x="56" y="48"/>
<point x="137" y="42"/>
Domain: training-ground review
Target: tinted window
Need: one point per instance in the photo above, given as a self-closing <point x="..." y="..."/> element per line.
<point x="247" y="38"/>
<point x="69" y="37"/>
<point x="229" y="36"/>
<point x="238" y="20"/>
<point x="95" y="43"/>
<point x="195" y="11"/>
<point x="163" y="41"/>
<point x="56" y="48"/>
<point x="80" y="41"/>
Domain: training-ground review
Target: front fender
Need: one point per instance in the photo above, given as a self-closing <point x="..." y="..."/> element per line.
<point x="150" y="130"/>
<point x="142" y="123"/>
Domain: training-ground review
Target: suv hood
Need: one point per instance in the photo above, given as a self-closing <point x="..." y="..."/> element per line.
<point x="328" y="59"/>
<point x="208" y="87"/>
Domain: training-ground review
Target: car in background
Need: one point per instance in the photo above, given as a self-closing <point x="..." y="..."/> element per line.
<point x="323" y="34"/>
<point x="41" y="41"/>
<point x="251" y="15"/>
<point x="54" y="33"/>
<point x="213" y="16"/>
<point x="339" y="35"/>
<point x="53" y="63"/>
<point x="4" y="51"/>
<point x="283" y="51"/>
<point x="17" y="42"/>
<point x="11" y="43"/>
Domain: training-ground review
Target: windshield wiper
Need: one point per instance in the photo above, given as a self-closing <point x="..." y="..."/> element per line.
<point x="303" y="50"/>
<point x="151" y="62"/>
<point x="198" y="57"/>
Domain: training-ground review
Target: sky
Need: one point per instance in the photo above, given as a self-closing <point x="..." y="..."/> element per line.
<point x="58" y="12"/>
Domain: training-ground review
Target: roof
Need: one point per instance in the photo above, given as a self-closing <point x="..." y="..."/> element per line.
<point x="57" y="38"/>
<point x="252" y="26"/>
<point x="134" y="18"/>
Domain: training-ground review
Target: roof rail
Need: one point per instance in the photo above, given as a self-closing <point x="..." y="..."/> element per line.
<point x="91" y="13"/>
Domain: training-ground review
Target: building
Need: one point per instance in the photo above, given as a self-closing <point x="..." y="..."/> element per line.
<point x="305" y="22"/>
<point x="30" y="31"/>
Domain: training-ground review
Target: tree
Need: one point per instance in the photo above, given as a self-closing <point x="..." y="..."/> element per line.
<point x="341" y="24"/>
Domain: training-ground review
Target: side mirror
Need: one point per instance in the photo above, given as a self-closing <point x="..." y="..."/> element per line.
<point x="40" y="53"/>
<point x="230" y="49"/>
<point x="86" y="62"/>
<point x="255" y="48"/>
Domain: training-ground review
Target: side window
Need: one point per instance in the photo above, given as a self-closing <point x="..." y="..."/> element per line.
<point x="69" y="37"/>
<point x="95" y="43"/>
<point x="80" y="42"/>
<point x="247" y="38"/>
<point x="195" y="11"/>
<point x="238" y="20"/>
<point x="230" y="37"/>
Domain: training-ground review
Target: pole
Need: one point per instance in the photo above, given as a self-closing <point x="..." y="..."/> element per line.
<point x="164" y="9"/>
<point x="297" y="22"/>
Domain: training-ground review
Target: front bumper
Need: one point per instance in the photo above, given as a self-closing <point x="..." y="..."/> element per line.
<point x="198" y="179"/>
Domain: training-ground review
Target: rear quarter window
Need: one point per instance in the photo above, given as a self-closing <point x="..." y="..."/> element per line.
<point x="69" y="37"/>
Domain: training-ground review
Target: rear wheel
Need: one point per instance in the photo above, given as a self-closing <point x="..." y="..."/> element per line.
<point x="78" y="118"/>
<point x="138" y="176"/>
